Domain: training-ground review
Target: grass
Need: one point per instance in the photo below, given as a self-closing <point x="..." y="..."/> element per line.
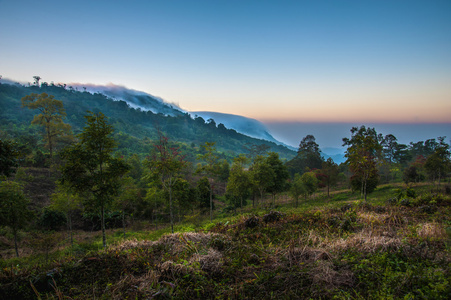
<point x="342" y="248"/>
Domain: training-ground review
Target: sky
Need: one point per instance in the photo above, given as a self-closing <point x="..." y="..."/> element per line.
<point x="285" y="63"/>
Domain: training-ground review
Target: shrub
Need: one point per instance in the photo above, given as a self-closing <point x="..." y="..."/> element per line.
<point x="272" y="216"/>
<point x="51" y="220"/>
<point x="252" y="222"/>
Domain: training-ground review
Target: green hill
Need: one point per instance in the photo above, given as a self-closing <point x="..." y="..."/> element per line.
<point x="133" y="127"/>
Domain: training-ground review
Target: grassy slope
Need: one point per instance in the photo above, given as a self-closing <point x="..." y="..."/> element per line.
<point x="345" y="249"/>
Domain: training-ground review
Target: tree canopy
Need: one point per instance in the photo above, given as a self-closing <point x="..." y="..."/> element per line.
<point x="91" y="167"/>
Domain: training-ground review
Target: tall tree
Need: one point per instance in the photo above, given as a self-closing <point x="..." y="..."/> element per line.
<point x="256" y="150"/>
<point x="36" y="80"/>
<point x="330" y="171"/>
<point x="280" y="175"/>
<point x="239" y="182"/>
<point x="165" y="165"/>
<point x="438" y="163"/>
<point x="90" y="166"/>
<point x="261" y="175"/>
<point x="51" y="116"/>
<point x="362" y="155"/>
<point x="210" y="168"/>
<point x="297" y="188"/>
<point x="14" y="211"/>
<point x="310" y="183"/>
<point x="308" y="157"/>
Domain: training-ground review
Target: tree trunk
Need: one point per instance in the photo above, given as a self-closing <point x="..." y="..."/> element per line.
<point x="170" y="210"/>
<point x="15" y="242"/>
<point x="211" y="203"/>
<point x="102" y="222"/>
<point x="123" y="223"/>
<point x="50" y="142"/>
<point x="69" y="223"/>
<point x="364" y="188"/>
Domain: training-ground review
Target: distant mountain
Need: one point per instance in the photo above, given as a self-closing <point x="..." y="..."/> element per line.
<point x="337" y="154"/>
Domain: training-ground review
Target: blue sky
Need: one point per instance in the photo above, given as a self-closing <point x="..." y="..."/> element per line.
<point x="275" y="61"/>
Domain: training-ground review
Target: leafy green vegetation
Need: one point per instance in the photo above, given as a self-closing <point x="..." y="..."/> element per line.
<point x="139" y="205"/>
<point x="347" y="250"/>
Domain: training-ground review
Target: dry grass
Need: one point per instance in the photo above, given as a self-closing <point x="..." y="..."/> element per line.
<point x="135" y="285"/>
<point x="372" y="218"/>
<point x="431" y="231"/>
<point x="365" y="241"/>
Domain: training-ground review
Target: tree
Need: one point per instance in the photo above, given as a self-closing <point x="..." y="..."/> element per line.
<point x="210" y="168"/>
<point x="309" y="182"/>
<point x="330" y="171"/>
<point x="261" y="175"/>
<point x="14" y="211"/>
<point x="36" y="80"/>
<point x="438" y="163"/>
<point x="280" y="175"/>
<point x="203" y="192"/>
<point x="51" y="116"/>
<point x="90" y="166"/>
<point x="362" y="156"/>
<point x="239" y="182"/>
<point x="256" y="150"/>
<point x="8" y="157"/>
<point x="389" y="145"/>
<point x="165" y="165"/>
<point x="66" y="202"/>
<point x="308" y="156"/>
<point x="126" y="200"/>
<point x="184" y="196"/>
<point x="297" y="188"/>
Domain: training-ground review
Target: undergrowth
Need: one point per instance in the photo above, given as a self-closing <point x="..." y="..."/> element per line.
<point x="390" y="248"/>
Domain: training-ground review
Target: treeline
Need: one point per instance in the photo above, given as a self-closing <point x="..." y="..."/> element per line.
<point x="100" y="175"/>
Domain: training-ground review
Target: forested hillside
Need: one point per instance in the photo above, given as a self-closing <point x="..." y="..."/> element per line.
<point x="133" y="127"/>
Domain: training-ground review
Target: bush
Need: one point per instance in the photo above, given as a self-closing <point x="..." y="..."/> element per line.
<point x="51" y="220"/>
<point x="252" y="222"/>
<point x="272" y="216"/>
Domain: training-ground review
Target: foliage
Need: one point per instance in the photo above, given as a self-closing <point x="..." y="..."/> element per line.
<point x="297" y="188"/>
<point x="438" y="163"/>
<point x="90" y="167"/>
<point x="239" y="183"/>
<point x="9" y="156"/>
<point x="352" y="251"/>
<point x="14" y="211"/>
<point x="66" y="202"/>
<point x="330" y="171"/>
<point x="210" y="168"/>
<point x="51" y="219"/>
<point x="51" y="116"/>
<point x="308" y="157"/>
<point x="166" y="164"/>
<point x="261" y="175"/>
<point x="133" y="127"/>
<point x="362" y="156"/>
<point x="278" y="183"/>
<point x="203" y="194"/>
<point x="309" y="182"/>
